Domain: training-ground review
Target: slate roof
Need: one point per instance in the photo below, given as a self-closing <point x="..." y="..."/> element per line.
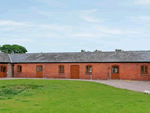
<point x="119" y="56"/>
<point x="4" y="58"/>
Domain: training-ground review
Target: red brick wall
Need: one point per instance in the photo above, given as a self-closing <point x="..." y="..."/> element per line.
<point x="128" y="71"/>
<point x="132" y="71"/>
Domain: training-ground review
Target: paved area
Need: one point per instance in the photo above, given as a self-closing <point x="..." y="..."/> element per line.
<point x="140" y="86"/>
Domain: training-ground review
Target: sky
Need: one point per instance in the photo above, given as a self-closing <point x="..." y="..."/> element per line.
<point x="72" y="25"/>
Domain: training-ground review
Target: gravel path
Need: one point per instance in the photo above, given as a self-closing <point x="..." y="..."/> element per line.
<point x="140" y="86"/>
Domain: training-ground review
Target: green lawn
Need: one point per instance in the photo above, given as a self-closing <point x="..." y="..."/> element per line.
<point x="64" y="96"/>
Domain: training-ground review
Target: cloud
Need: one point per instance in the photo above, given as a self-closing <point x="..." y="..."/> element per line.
<point x="53" y="3"/>
<point x="56" y="27"/>
<point x="144" y="18"/>
<point x="108" y="30"/>
<point x="86" y="15"/>
<point x="89" y="19"/>
<point x="7" y="29"/>
<point x="21" y="40"/>
<point x="45" y="13"/>
<point x="45" y="35"/>
<point x="53" y="44"/>
<point x="142" y="2"/>
<point x="44" y="32"/>
<point x="87" y="35"/>
<point x="18" y="26"/>
<point x="89" y="11"/>
<point x="12" y="23"/>
<point x="100" y="32"/>
<point x="115" y="31"/>
<point x="82" y="43"/>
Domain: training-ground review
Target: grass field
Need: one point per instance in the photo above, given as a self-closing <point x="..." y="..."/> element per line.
<point x="64" y="96"/>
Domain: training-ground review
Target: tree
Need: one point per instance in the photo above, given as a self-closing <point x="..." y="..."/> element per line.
<point x="90" y="51"/>
<point x="97" y="50"/>
<point x="13" y="49"/>
<point x="6" y="48"/>
<point x="83" y="50"/>
<point x="18" y="49"/>
<point x="118" y="50"/>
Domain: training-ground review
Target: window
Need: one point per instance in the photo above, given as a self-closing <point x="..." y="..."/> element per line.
<point x="19" y="68"/>
<point x="144" y="69"/>
<point x="39" y="68"/>
<point x="115" y="69"/>
<point x="3" y="69"/>
<point x="88" y="69"/>
<point x="61" y="69"/>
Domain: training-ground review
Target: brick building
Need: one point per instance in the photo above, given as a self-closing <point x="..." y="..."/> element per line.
<point x="124" y="65"/>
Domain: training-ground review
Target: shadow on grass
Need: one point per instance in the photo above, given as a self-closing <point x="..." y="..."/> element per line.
<point x="7" y="92"/>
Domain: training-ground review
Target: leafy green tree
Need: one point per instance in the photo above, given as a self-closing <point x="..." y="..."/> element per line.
<point x="97" y="50"/>
<point x="91" y="51"/>
<point x="83" y="50"/>
<point x="18" y="49"/>
<point x="13" y="49"/>
<point x="118" y="50"/>
<point x="6" y="48"/>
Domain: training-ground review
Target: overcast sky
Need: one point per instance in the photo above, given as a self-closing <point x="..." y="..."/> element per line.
<point x="72" y="25"/>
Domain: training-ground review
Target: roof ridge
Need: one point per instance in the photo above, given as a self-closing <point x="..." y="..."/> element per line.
<point x="85" y="52"/>
<point x="10" y="58"/>
<point x="113" y="56"/>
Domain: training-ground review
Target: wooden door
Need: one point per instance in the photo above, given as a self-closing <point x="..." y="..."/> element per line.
<point x="115" y="72"/>
<point x="74" y="72"/>
<point x="3" y="72"/>
<point x="12" y="70"/>
<point x="39" y="71"/>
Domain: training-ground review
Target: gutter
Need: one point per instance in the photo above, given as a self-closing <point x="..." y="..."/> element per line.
<point x="83" y="62"/>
